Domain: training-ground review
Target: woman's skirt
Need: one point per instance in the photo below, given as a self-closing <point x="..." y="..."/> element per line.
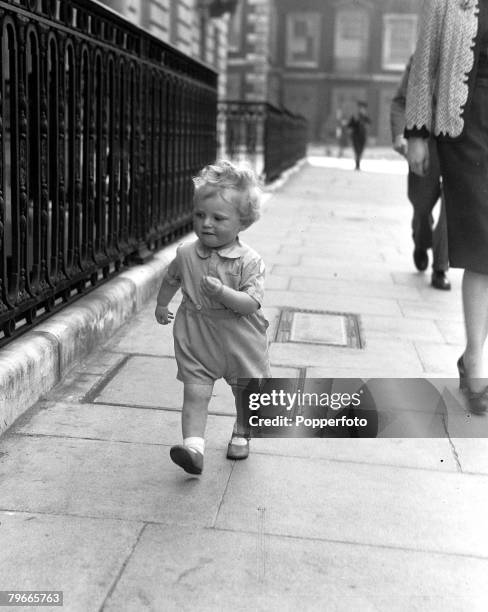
<point x="464" y="168"/>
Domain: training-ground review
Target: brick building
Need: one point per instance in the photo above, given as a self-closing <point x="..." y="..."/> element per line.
<point x="318" y="57"/>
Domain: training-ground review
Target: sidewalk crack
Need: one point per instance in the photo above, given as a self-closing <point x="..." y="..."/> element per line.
<point x="214" y="522"/>
<point x="96" y="389"/>
<point x="452" y="445"/>
<point x="122" y="569"/>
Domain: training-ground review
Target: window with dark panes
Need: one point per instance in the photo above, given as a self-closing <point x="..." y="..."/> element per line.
<point x="303" y="39"/>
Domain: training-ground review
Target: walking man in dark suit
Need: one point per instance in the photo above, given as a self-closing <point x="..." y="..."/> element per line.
<point x="423" y="193"/>
<point x="358" y="129"/>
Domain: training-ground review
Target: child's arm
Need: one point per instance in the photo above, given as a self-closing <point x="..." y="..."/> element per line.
<point x="239" y="301"/>
<point x="169" y="286"/>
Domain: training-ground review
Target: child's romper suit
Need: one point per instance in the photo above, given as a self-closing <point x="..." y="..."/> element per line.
<point x="212" y="341"/>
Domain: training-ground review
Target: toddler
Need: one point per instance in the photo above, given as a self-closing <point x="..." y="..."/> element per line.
<point x="219" y="329"/>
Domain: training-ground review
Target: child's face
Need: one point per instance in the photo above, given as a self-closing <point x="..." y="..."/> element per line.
<point x="216" y="221"/>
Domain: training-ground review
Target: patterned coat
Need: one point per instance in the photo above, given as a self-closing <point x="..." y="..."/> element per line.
<point x="443" y="68"/>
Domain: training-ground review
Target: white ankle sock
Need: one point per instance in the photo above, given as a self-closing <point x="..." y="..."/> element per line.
<point x="236" y="438"/>
<point x="195" y="443"/>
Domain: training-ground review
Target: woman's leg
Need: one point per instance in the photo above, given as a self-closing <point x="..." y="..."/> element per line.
<point x="475" y="304"/>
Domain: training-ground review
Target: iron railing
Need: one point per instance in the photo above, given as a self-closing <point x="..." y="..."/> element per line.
<point x="102" y="128"/>
<point x="271" y="138"/>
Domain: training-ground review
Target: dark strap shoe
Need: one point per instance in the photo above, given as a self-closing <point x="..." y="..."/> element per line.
<point x="187" y="458"/>
<point x="440" y="280"/>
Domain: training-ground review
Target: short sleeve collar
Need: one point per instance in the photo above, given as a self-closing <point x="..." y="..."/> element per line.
<point x="233" y="251"/>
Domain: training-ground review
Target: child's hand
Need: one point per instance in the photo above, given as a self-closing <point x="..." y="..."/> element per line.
<point x="211" y="286"/>
<point x="163" y="315"/>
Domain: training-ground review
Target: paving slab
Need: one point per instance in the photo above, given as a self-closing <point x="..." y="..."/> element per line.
<point x="336" y="303"/>
<point x="81" y="557"/>
<point x="285" y="259"/>
<point x="364" y="370"/>
<point x="423" y="310"/>
<point x="85" y="376"/>
<point x="332" y="252"/>
<point x="472" y="453"/>
<point x="452" y="332"/>
<point x="117" y="424"/>
<point x="344" y="272"/>
<point x="74" y="387"/>
<point x="390" y="358"/>
<point x="411" y="407"/>
<point x="279" y="283"/>
<point x="212" y="570"/>
<point x="136" y="482"/>
<point x="474" y="428"/>
<point x="124" y="424"/>
<point x="383" y="327"/>
<point x="437" y="357"/>
<point x="380" y="506"/>
<point x="143" y="381"/>
<point x="144" y="335"/>
<point x="352" y="260"/>
<point x="429" y="454"/>
<point x="98" y="363"/>
<point x="359" y="288"/>
<point x="410" y="278"/>
<point x="334" y="247"/>
<point x="150" y="381"/>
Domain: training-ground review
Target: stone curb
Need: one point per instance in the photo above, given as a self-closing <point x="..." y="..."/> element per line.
<point x="37" y="361"/>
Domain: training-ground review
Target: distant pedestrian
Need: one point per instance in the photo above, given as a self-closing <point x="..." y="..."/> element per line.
<point x="423" y="192"/>
<point x="342" y="133"/>
<point x="219" y="329"/>
<point x="358" y="129"/>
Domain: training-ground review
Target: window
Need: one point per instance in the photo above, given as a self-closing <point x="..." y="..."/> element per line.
<point x="302" y="39"/>
<point x="351" y="40"/>
<point x="234" y="87"/>
<point x="399" y="37"/>
<point x="235" y="29"/>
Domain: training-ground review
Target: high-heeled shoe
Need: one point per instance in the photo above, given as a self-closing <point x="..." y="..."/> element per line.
<point x="463" y="385"/>
<point x="477" y="400"/>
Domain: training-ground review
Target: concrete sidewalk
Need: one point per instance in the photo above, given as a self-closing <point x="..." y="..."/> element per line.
<point x="91" y="504"/>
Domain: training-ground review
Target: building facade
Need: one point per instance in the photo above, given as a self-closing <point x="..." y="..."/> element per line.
<point x="319" y="57"/>
<point x="196" y="27"/>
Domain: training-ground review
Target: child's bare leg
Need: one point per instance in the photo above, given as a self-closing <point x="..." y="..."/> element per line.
<point x="238" y="447"/>
<point x="240" y="427"/>
<point x="195" y="409"/>
<point x="189" y="456"/>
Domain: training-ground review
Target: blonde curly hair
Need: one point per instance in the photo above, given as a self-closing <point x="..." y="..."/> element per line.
<point x="224" y="175"/>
